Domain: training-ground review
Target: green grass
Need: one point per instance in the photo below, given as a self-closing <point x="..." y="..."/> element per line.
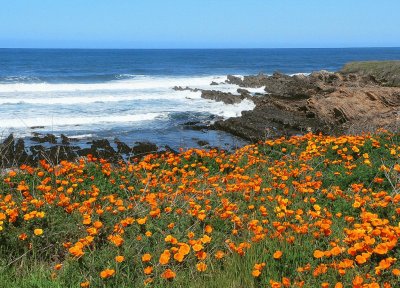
<point x="387" y="72"/>
<point x="295" y="181"/>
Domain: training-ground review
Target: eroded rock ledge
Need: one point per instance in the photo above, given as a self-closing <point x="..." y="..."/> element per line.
<point x="326" y="102"/>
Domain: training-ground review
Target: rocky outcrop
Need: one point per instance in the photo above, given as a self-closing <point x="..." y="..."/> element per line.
<point x="272" y="117"/>
<point x="251" y="81"/>
<point x="320" y="102"/>
<point x="7" y="151"/>
<point x="230" y="79"/>
<point x="144" y="148"/>
<point x="358" y="109"/>
<point x="48" y="138"/>
<point x="227" y="98"/>
<point x="342" y="102"/>
<point x="180" y="88"/>
<point x="14" y="152"/>
<point x="245" y="93"/>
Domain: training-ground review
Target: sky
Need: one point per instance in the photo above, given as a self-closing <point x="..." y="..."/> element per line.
<point x="199" y="23"/>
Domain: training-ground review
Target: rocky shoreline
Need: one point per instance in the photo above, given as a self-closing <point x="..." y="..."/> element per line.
<point x="326" y="102"/>
<point x="55" y="149"/>
<point x="360" y="98"/>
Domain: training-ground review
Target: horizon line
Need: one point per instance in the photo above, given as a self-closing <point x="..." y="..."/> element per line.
<point x="203" y="48"/>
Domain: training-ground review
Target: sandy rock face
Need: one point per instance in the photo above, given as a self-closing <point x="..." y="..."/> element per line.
<point x="358" y="109"/>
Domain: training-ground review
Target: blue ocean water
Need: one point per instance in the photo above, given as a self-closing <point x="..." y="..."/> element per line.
<point x="128" y="93"/>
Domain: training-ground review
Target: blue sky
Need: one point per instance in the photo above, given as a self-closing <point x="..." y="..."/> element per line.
<point x="199" y="23"/>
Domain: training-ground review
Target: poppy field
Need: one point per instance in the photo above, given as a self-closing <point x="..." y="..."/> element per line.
<point x="305" y="211"/>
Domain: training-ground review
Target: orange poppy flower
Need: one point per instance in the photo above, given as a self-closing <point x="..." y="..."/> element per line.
<point x="85" y="284"/>
<point x="148" y="270"/>
<point x="77" y="250"/>
<point x="58" y="266"/>
<point x="184" y="248"/>
<point x="141" y="221"/>
<point x="23" y="236"/>
<point x="146" y="257"/>
<point x="97" y="224"/>
<point x="219" y="254"/>
<point x="38" y="231"/>
<point x="286" y="282"/>
<point x="168" y="274"/>
<point x="119" y="258"/>
<point x="179" y="256"/>
<point x="361" y="259"/>
<point x="201" y="266"/>
<point x="336" y="251"/>
<point x="357" y="281"/>
<point x="201" y="255"/>
<point x="277" y="255"/>
<point x="256" y="273"/>
<point x="381" y="249"/>
<point x="396" y="272"/>
<point x="208" y="229"/>
<point x="318" y="254"/>
<point x="164" y="257"/>
<point x="117" y="240"/>
<point x="107" y="273"/>
<point x="197" y="247"/>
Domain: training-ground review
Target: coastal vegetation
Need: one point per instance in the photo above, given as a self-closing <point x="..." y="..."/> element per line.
<point x="304" y="211"/>
<point x="385" y="72"/>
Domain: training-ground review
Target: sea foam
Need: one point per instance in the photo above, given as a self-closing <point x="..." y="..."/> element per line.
<point x="57" y="121"/>
<point x="108" y="105"/>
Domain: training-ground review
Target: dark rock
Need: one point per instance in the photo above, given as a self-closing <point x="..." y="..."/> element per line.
<point x="64" y="139"/>
<point x="268" y="120"/>
<point x="227" y="98"/>
<point x="213" y="83"/>
<point x="49" y="138"/>
<point x="192" y="123"/>
<point x="99" y="149"/>
<point x="102" y="144"/>
<point x="254" y="81"/>
<point x="290" y="86"/>
<point x="37" y="154"/>
<point x="196" y="125"/>
<point x="102" y="149"/>
<point x="58" y="153"/>
<point x="243" y="92"/>
<point x="20" y="153"/>
<point x="234" y="80"/>
<point x="143" y="148"/>
<point x="85" y="151"/>
<point x="7" y="151"/>
<point x="122" y="148"/>
<point x="203" y="143"/>
<point x="180" y="88"/>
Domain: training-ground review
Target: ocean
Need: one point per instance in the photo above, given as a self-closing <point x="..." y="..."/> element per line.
<point x="127" y="94"/>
